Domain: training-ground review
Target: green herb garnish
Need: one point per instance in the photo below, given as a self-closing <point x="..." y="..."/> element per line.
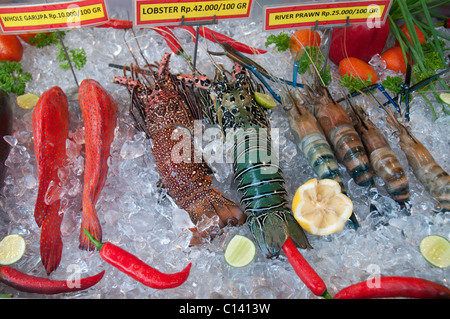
<point x="355" y="84"/>
<point x="41" y="40"/>
<point x="77" y="57"/>
<point x="12" y="78"/>
<point x="281" y="41"/>
<point x="392" y="83"/>
<point x="310" y="59"/>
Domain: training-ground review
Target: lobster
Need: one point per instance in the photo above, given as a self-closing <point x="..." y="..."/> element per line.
<point x="231" y="105"/>
<point x="163" y="108"/>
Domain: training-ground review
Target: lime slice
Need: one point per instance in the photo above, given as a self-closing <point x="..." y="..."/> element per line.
<point x="445" y="97"/>
<point x="240" y="251"/>
<point x="12" y="248"/>
<point x="265" y="100"/>
<point x="27" y="101"/>
<point x="436" y="250"/>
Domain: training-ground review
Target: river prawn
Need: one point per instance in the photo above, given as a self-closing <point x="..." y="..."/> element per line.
<point x="50" y="120"/>
<point x="231" y="105"/>
<point x="382" y="158"/>
<point x="164" y="109"/>
<point x="341" y="135"/>
<point x="100" y="119"/>
<point x="432" y="176"/>
<point x="312" y="141"/>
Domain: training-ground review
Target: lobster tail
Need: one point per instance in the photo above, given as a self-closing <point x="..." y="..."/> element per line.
<point x="214" y="204"/>
<point x="229" y="213"/>
<point x="271" y="230"/>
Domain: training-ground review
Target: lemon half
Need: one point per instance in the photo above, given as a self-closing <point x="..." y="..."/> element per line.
<point x="12" y="248"/>
<point x="320" y="207"/>
<point x="27" y="101"/>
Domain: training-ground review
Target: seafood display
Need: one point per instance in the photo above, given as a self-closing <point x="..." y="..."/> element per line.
<point x="165" y="110"/>
<point x="256" y="171"/>
<point x="50" y="132"/>
<point x="128" y="163"/>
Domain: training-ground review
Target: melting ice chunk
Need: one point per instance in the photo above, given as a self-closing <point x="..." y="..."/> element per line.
<point x="132" y="149"/>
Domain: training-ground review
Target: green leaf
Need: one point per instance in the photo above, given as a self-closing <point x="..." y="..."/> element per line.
<point x="355" y="84"/>
<point x="41" y="40"/>
<point x="392" y="83"/>
<point x="12" y="77"/>
<point x="281" y="41"/>
<point x="77" y="57"/>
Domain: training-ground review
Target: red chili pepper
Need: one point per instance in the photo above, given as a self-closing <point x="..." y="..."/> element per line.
<point x="117" y="24"/>
<point x="303" y="269"/>
<point x="170" y="38"/>
<point x="190" y="29"/>
<point x="389" y="287"/>
<point x="137" y="269"/>
<point x="216" y="36"/>
<point x="28" y="283"/>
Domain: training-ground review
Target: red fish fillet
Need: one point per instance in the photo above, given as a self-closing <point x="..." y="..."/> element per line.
<point x="50" y="131"/>
<point x="100" y="119"/>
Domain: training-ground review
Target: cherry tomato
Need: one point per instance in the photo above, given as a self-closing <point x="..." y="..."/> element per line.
<point x="11" y="48"/>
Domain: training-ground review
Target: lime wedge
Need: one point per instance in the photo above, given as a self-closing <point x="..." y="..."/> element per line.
<point x="12" y="248"/>
<point x="240" y="251"/>
<point x="436" y="250"/>
<point x="445" y="97"/>
<point x="27" y="101"/>
<point x="265" y="100"/>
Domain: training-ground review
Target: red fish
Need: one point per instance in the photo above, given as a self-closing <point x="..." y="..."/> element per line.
<point x="100" y="118"/>
<point x="50" y="131"/>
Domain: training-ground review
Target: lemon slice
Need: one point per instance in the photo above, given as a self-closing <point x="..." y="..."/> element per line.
<point x="27" y="101"/>
<point x="12" y="248"/>
<point x="436" y="250"/>
<point x="240" y="251"/>
<point x="320" y="207"/>
<point x="265" y="100"/>
<point x="445" y="97"/>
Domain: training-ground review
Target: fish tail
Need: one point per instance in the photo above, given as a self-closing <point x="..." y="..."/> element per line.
<point x="51" y="239"/>
<point x="272" y="229"/>
<point x="91" y="223"/>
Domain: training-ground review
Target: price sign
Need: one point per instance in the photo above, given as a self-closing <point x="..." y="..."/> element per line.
<point x="333" y="13"/>
<point x="174" y="11"/>
<point x="53" y="16"/>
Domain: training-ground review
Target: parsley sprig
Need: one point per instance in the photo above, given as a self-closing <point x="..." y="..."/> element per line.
<point x="281" y="41"/>
<point x="355" y="84"/>
<point x="77" y="57"/>
<point x="392" y="83"/>
<point x="12" y="77"/>
<point x="41" y="40"/>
